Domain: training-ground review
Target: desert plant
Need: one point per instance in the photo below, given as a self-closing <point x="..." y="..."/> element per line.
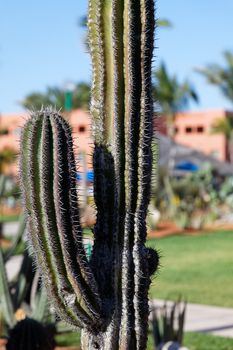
<point x="168" y="325"/>
<point x="29" y="334"/>
<point x="21" y="296"/>
<point x="107" y="296"/>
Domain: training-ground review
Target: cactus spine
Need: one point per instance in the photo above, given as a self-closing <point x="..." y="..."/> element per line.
<point x="107" y="296"/>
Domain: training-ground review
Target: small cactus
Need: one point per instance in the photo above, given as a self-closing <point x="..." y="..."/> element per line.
<point x="107" y="296"/>
<point x="29" y="334"/>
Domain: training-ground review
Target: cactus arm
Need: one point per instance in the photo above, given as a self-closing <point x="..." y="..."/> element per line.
<point x="40" y="203"/>
<point x="96" y="45"/>
<point x="119" y="108"/>
<point x="108" y="93"/>
<point x="29" y="164"/>
<point x="104" y="260"/>
<point x="69" y="228"/>
<point x="142" y="256"/>
<point x="132" y="27"/>
<point x="6" y="301"/>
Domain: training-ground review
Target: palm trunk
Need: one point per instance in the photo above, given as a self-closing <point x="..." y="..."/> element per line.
<point x="230" y="149"/>
<point x="171" y="125"/>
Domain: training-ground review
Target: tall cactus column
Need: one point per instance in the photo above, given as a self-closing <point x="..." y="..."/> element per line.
<point x="107" y="296"/>
<point x="121" y="36"/>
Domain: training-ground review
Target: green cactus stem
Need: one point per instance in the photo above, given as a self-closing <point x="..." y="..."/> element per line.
<point x="107" y="296"/>
<point x="48" y="177"/>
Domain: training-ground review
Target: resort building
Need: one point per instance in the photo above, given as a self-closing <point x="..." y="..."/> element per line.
<point x="192" y="129"/>
<point x="195" y="130"/>
<point x="10" y="126"/>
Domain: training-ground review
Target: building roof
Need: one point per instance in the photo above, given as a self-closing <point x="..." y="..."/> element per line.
<point x="172" y="154"/>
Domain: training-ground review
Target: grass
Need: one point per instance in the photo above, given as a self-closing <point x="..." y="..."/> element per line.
<point x="68" y="339"/>
<point x="203" y="341"/>
<point x="194" y="341"/>
<point x="199" y="268"/>
<point x="9" y="218"/>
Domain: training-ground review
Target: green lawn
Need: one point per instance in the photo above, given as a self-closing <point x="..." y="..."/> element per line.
<point x="203" y="341"/>
<point x="9" y="218"/>
<point x="200" y="268"/>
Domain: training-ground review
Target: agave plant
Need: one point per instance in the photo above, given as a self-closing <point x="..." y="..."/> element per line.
<point x="106" y="296"/>
<point x="168" y="325"/>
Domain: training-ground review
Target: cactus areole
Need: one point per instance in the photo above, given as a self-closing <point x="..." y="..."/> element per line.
<point x="106" y="296"/>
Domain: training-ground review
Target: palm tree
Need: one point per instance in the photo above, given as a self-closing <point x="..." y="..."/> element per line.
<point x="225" y="127"/>
<point x="56" y="97"/>
<point x="7" y="156"/>
<point x="171" y="95"/>
<point x="220" y="76"/>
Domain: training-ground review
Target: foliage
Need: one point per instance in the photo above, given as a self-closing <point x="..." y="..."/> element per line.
<point x="7" y="155"/>
<point x="3" y="131"/>
<point x="68" y="339"/>
<point x="21" y="296"/>
<point x="172" y="95"/>
<point x="203" y="341"/>
<point x="222" y="77"/>
<point x="225" y="127"/>
<point x="107" y="296"/>
<point x="187" y="262"/>
<point x="197" y="198"/>
<point x="168" y="323"/>
<point x="55" y="96"/>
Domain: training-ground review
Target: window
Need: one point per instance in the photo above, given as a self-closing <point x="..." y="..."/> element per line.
<point x="200" y="129"/>
<point x="81" y="128"/>
<point x="188" y="129"/>
<point x="4" y="131"/>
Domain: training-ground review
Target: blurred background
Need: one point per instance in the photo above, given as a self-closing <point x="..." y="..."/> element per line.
<point x="44" y="60"/>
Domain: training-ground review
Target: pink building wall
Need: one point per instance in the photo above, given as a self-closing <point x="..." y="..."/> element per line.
<point x="194" y="129"/>
<point x="81" y="127"/>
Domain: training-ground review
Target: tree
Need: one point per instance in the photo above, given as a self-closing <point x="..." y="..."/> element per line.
<point x="7" y="156"/>
<point x="222" y="77"/>
<point x="225" y="126"/>
<point x="171" y="95"/>
<point x="55" y="96"/>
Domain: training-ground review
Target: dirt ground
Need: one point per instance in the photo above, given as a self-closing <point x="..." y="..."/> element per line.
<point x="166" y="229"/>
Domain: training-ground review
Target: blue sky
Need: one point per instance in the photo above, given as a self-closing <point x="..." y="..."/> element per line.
<point x="41" y="45"/>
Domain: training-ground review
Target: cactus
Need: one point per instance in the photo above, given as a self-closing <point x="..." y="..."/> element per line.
<point x="106" y="296"/>
<point x="29" y="334"/>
